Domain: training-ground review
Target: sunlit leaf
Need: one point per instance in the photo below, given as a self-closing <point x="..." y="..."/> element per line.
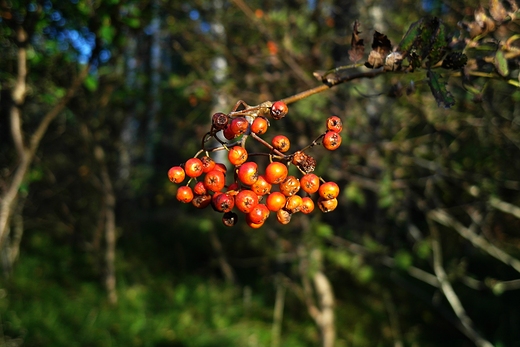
<point x="501" y="63"/>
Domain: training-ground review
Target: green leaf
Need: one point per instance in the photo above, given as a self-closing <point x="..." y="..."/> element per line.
<point x="439" y="91"/>
<point x="91" y="83"/>
<point x="501" y="63"/>
<point x="354" y="193"/>
<point x="324" y="230"/>
<point x="403" y="259"/>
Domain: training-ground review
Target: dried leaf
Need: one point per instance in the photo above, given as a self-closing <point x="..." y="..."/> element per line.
<point x="381" y="47"/>
<point x="439" y="91"/>
<point x="357" y="49"/>
<point x="497" y="10"/>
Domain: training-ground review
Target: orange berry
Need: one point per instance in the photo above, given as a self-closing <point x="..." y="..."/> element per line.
<point x="310" y="183"/>
<point x="275" y="201"/>
<point x="276" y="172"/>
<point x="335" y="124"/>
<point x="248" y="173"/>
<point x="307" y="205"/>
<point x="184" y="194"/>
<point x="193" y="167"/>
<point x="245" y="200"/>
<point x="261" y="186"/>
<point x="331" y="140"/>
<point x="329" y="190"/>
<point x="281" y="143"/>
<point x="260" y="125"/>
<point x="215" y="181"/>
<point x="237" y="155"/>
<point x="258" y="214"/>
<point x="176" y="174"/>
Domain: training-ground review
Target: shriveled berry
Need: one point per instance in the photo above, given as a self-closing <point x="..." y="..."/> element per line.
<point x="230" y="219"/>
<point x="201" y="201"/>
<point x="290" y="186"/>
<point x="219" y="120"/>
<point x="293" y="203"/>
<point x="261" y="186"/>
<point x="283" y="216"/>
<point x="327" y="205"/>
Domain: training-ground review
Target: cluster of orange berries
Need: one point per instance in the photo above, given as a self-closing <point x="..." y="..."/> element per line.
<point x="251" y="192"/>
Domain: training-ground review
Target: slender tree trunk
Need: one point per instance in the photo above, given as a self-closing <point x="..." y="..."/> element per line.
<point x="27" y="151"/>
<point x="110" y="226"/>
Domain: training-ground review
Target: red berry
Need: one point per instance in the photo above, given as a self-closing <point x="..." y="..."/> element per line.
<point x="200" y="189"/>
<point x="258" y="214"/>
<point x="176" y="174"/>
<point x="279" y="110"/>
<point x="193" y="167"/>
<point x="214" y="181"/>
<point x="245" y="200"/>
<point x="335" y="124"/>
<point x="331" y="140"/>
<point x="208" y="164"/>
<point x="239" y="125"/>
<point x="184" y="194"/>
<point x="248" y="173"/>
<point x="224" y="202"/>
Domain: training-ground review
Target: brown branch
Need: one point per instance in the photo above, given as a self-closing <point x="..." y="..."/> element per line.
<point x="444" y="218"/>
<point x="449" y="293"/>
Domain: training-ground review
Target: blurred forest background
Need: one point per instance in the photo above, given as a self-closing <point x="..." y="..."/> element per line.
<point x="100" y="98"/>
